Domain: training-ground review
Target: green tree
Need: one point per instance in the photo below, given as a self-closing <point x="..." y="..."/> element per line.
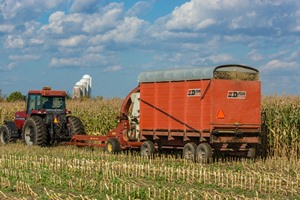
<point x="15" y="96"/>
<point x="1" y="97"/>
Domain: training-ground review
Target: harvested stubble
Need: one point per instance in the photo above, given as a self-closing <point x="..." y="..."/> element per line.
<point x="70" y="172"/>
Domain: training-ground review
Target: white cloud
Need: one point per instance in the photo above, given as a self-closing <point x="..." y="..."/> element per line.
<point x="63" y="25"/>
<point x="26" y="9"/>
<point x="101" y="22"/>
<point x="236" y="23"/>
<point x="221" y="58"/>
<point x="31" y="27"/>
<point x="36" y="41"/>
<point x="105" y="20"/>
<point x="294" y="55"/>
<point x="296" y="28"/>
<point x="169" y="35"/>
<point x="112" y="68"/>
<point x="125" y="32"/>
<point x="248" y="16"/>
<point x="274" y="65"/>
<point x="12" y="65"/>
<point x="185" y="16"/>
<point x="26" y="57"/>
<point x="72" y="41"/>
<point x="202" y="13"/>
<point x="14" y="42"/>
<point x="220" y="5"/>
<point x="235" y="38"/>
<point x="55" y="23"/>
<point x="255" y="56"/>
<point x="205" y="23"/>
<point x="87" y="60"/>
<point x="95" y="49"/>
<point x="6" y="28"/>
<point x="10" y="8"/>
<point x="279" y="54"/>
<point x="251" y="14"/>
<point x="57" y="62"/>
<point x="83" y="5"/>
<point x="8" y="67"/>
<point x="141" y="7"/>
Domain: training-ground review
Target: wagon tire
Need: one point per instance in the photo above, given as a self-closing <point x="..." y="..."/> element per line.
<point x="112" y="146"/>
<point x="189" y="151"/>
<point x="251" y="153"/>
<point x="34" y="132"/>
<point x="5" y="135"/>
<point x="204" y="153"/>
<point x="147" y="149"/>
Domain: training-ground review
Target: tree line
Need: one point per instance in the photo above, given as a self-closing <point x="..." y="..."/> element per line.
<point x="14" y="96"/>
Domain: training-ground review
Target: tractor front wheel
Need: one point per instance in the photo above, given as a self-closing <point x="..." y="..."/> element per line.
<point x="34" y="131"/>
<point x="5" y="134"/>
<point x="112" y="146"/>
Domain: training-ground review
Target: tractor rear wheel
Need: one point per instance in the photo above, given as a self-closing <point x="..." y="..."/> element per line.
<point x="112" y="146"/>
<point x="75" y="126"/>
<point x="189" y="151"/>
<point x="203" y="153"/>
<point x="34" y="131"/>
<point x="147" y="148"/>
<point x="5" y="135"/>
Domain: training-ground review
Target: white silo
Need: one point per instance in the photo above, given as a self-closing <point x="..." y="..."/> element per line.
<point x="88" y="79"/>
<point x="85" y="85"/>
<point x="77" y="93"/>
<point x="82" y="87"/>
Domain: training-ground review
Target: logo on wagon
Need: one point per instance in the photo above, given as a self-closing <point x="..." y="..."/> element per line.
<point x="236" y="95"/>
<point x="194" y="92"/>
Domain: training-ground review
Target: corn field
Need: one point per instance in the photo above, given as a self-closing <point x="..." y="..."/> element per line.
<point x="65" y="172"/>
<point x="280" y="119"/>
<point x="281" y="124"/>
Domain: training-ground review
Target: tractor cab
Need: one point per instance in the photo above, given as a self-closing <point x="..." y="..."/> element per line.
<point x="46" y="100"/>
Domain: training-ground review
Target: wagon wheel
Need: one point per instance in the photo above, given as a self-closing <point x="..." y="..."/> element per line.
<point x="251" y="153"/>
<point x="112" y="146"/>
<point x="189" y="151"/>
<point x="147" y="148"/>
<point x="203" y="153"/>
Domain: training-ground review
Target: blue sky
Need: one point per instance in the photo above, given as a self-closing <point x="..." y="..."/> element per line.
<point x="56" y="42"/>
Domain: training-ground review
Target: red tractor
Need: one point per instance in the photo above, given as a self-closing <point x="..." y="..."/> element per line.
<point x="45" y="121"/>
